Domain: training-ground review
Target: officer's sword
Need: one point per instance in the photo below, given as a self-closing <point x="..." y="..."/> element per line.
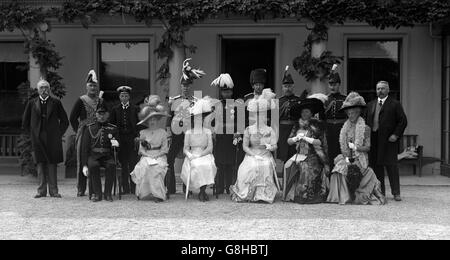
<point x="118" y="177"/>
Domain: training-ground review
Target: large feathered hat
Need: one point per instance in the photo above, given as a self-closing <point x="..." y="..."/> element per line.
<point x="224" y="81"/>
<point x="262" y="103"/>
<point x="92" y="77"/>
<point x="287" y="78"/>
<point x="148" y="112"/>
<point x="258" y="76"/>
<point x="353" y="100"/>
<point x="202" y="107"/>
<point x="189" y="73"/>
<point x="102" y="107"/>
<point x="314" y="102"/>
<point x="334" y="77"/>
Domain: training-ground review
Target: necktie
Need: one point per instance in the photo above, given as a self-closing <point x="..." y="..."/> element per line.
<point x="376" y="118"/>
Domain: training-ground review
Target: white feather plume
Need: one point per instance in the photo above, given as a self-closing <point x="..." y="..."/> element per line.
<point x="334" y="68"/>
<point x="93" y="76"/>
<point x="189" y="72"/>
<point x="222" y="81"/>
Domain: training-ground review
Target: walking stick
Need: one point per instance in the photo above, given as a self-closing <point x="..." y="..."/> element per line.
<point x="118" y="177"/>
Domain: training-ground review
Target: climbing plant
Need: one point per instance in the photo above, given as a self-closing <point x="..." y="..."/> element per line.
<point x="178" y="16"/>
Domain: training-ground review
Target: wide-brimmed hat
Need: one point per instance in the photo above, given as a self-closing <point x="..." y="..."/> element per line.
<point x="201" y="107"/>
<point x="353" y="100"/>
<point x="148" y="112"/>
<point x="315" y="103"/>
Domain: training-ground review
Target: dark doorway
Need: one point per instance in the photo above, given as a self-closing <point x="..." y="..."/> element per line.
<point x="241" y="56"/>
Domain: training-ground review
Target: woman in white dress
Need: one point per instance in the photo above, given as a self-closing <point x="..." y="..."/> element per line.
<point x="256" y="180"/>
<point x="199" y="169"/>
<point x="151" y="169"/>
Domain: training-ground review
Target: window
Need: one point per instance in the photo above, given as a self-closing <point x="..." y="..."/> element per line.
<point x="124" y="63"/>
<point x="370" y="61"/>
<point x="13" y="72"/>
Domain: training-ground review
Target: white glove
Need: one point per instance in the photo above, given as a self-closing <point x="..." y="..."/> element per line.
<point x="352" y="146"/>
<point x="85" y="171"/>
<point x="268" y="147"/>
<point x="114" y="143"/>
<point x="308" y="139"/>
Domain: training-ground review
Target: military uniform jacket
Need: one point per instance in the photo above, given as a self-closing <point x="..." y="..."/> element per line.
<point x="96" y="141"/>
<point x="286" y="102"/>
<point x="333" y="105"/>
<point x="126" y="120"/>
<point x="179" y="110"/>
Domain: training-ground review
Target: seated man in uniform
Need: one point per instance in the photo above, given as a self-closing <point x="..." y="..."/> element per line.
<point x="98" y="145"/>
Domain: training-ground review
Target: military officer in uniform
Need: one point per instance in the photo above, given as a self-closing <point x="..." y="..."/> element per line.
<point x="335" y="118"/>
<point x="286" y="122"/>
<point x="98" y="147"/>
<point x="226" y="148"/>
<point x="125" y="117"/>
<point x="179" y="111"/>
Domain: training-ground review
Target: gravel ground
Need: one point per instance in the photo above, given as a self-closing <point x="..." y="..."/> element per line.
<point x="423" y="214"/>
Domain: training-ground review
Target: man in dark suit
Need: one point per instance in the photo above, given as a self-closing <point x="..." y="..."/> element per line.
<point x="46" y="121"/>
<point x="125" y="117"/>
<point x="388" y="121"/>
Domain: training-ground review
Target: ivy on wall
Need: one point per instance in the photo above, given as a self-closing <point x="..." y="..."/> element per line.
<point x="178" y="16"/>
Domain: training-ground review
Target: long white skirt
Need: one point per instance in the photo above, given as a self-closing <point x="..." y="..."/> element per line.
<point x="255" y="181"/>
<point x="202" y="172"/>
<point x="149" y="177"/>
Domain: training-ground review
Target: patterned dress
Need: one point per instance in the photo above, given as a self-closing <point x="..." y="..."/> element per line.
<point x="305" y="178"/>
<point x="257" y="175"/>
<point x="368" y="190"/>
<point x="150" y="171"/>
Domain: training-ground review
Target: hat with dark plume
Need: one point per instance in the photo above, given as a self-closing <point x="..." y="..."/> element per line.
<point x="258" y="76"/>
<point x="353" y="100"/>
<point x="334" y="77"/>
<point x="287" y="78"/>
<point x="224" y="81"/>
<point x="189" y="73"/>
<point x="92" y="77"/>
<point x="124" y="89"/>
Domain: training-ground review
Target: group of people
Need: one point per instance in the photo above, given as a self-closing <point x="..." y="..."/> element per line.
<point x="334" y="148"/>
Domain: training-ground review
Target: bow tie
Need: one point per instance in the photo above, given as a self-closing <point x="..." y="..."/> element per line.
<point x="125" y="106"/>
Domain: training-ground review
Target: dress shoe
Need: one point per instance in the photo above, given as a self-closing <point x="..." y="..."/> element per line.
<point x="96" y="198"/>
<point x="57" y="196"/>
<point x="397" y="198"/>
<point x="81" y="194"/>
<point x="109" y="198"/>
<point x="38" y="196"/>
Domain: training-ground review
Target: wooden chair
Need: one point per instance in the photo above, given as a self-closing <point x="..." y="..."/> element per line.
<point x="410" y="142"/>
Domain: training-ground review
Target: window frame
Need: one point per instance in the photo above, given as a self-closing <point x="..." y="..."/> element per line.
<point x="403" y="38"/>
<point x="149" y="38"/>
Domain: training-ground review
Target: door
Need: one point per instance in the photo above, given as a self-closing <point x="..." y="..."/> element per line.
<point x="241" y="56"/>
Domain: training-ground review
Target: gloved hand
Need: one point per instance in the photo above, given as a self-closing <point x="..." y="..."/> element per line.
<point x="114" y="143"/>
<point x="352" y="146"/>
<point x="85" y="171"/>
<point x="308" y="139"/>
<point x="268" y="147"/>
